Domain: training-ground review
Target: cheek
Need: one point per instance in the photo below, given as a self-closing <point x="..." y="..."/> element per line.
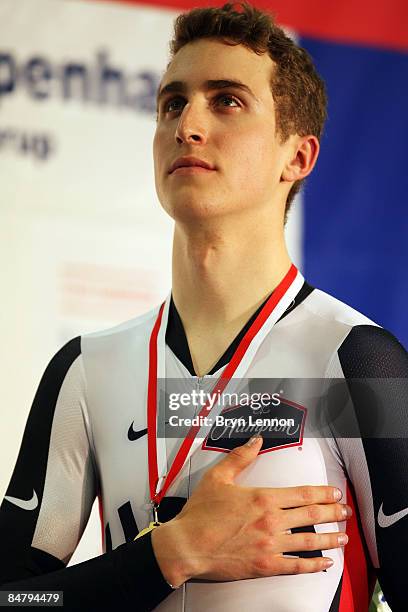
<point x="156" y="150"/>
<point x="155" y="164"/>
<point x="162" y="140"/>
<point x="255" y="161"/>
<point x="160" y="159"/>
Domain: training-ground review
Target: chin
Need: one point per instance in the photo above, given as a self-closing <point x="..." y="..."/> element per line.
<point x="188" y="209"/>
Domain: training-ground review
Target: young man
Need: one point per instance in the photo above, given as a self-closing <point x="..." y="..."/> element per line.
<point x="240" y="114"/>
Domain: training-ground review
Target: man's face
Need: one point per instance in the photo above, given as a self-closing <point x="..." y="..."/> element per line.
<point x="230" y="126"/>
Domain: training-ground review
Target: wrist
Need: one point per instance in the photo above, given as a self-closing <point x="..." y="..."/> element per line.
<point x="171" y="552"/>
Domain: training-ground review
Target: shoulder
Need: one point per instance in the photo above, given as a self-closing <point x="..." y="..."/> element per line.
<point x="139" y="324"/>
<point x="128" y="338"/>
<point x="332" y="310"/>
<point x="68" y="360"/>
<point x="73" y="348"/>
<point x="363" y="347"/>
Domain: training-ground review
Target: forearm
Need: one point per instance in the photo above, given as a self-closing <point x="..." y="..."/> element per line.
<point x="127" y="577"/>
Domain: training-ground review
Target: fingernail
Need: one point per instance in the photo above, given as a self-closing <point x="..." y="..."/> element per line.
<point x="342" y="539"/>
<point x="253" y="440"/>
<point x="337" y="494"/>
<point x="346" y="511"/>
<point x="328" y="562"/>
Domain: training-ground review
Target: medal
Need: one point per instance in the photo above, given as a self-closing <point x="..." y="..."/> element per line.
<point x="152" y="524"/>
<point x="274" y="307"/>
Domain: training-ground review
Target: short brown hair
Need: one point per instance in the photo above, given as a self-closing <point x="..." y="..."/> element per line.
<point x="297" y="89"/>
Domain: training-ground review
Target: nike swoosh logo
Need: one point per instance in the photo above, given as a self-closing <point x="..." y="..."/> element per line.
<point x="385" y="520"/>
<point x="135" y="435"/>
<point x="25" y="504"/>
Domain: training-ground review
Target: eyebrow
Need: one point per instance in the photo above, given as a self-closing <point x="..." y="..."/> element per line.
<point x="181" y="87"/>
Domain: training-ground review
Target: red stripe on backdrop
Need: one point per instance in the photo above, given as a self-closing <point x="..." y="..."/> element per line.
<point x="382" y="23"/>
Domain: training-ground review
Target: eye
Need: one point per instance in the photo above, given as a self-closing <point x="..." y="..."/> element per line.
<point x="228" y="101"/>
<point x="176" y="103"/>
<point x="173" y="104"/>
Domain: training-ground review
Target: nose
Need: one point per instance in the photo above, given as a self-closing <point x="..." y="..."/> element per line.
<point x="191" y="128"/>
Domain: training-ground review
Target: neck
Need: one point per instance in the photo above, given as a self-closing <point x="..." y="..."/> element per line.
<point x="221" y="274"/>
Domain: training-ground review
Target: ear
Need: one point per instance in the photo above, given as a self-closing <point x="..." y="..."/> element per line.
<point x="302" y="160"/>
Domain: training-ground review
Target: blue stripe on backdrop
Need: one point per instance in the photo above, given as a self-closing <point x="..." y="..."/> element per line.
<point x="356" y="201"/>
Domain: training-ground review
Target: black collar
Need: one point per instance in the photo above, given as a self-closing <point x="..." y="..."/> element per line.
<point x="176" y="338"/>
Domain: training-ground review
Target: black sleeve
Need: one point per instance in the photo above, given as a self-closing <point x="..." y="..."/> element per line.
<point x="127" y="578"/>
<point x="375" y="366"/>
<point x="49" y="499"/>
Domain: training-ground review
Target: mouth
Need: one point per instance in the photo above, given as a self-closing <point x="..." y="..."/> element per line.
<point x="191" y="170"/>
<point x="190" y="165"/>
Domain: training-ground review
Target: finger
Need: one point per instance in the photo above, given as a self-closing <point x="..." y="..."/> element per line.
<point x="311" y="541"/>
<point x="300" y="565"/>
<point x="292" y="497"/>
<point x="237" y="459"/>
<point x="315" y="515"/>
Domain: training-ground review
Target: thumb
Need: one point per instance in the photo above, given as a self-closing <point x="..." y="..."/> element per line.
<point x="238" y="459"/>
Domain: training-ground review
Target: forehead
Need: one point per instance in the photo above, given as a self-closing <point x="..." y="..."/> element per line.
<point x="212" y="59"/>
